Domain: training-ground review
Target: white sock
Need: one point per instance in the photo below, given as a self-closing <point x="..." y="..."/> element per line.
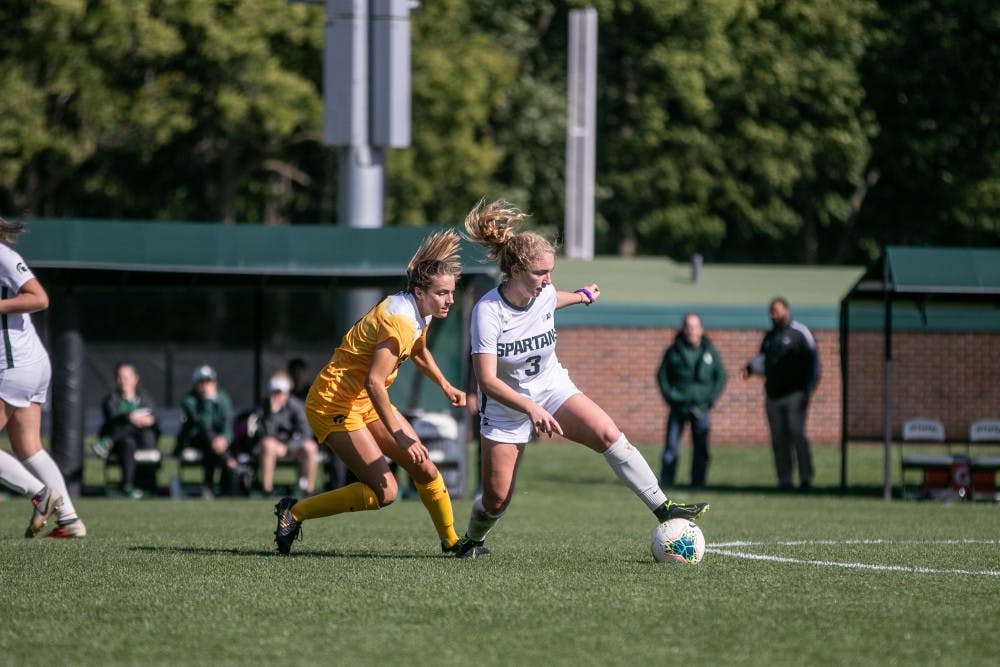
<point x="44" y="468"/>
<point x="632" y="468"/>
<point x="17" y="477"/>
<point x="480" y="521"/>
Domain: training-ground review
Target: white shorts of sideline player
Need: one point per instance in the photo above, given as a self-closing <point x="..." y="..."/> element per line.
<point x="22" y="385"/>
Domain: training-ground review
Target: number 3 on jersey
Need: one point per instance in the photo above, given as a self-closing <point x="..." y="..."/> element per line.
<point x="533" y="365"/>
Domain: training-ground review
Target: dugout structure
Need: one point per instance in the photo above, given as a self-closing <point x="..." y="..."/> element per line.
<point x="245" y="298"/>
<point x="920" y="337"/>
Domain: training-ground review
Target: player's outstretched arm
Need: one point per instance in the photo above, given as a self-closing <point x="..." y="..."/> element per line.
<point x="585" y="295"/>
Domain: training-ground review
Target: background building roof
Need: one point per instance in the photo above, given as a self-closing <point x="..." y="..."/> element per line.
<point x="217" y="252"/>
<point x="958" y="273"/>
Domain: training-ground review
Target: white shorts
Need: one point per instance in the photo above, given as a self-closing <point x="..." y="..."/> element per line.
<point x="502" y="424"/>
<point x="24" y="385"/>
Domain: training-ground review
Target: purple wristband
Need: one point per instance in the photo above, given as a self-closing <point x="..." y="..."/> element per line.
<point x="586" y="292"/>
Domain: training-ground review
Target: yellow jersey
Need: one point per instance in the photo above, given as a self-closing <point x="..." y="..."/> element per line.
<point x="337" y="400"/>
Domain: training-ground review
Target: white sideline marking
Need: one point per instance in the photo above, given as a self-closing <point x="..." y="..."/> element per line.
<point x="725" y="549"/>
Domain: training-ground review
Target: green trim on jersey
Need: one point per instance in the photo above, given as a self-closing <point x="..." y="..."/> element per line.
<point x="8" y="350"/>
<point x="520" y="309"/>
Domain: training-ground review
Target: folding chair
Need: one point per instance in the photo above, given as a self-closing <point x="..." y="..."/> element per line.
<point x="935" y="468"/>
<point x="983" y="467"/>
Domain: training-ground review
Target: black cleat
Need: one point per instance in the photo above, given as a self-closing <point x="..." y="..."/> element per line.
<point x="288" y="529"/>
<point x="672" y="510"/>
<point x="468" y="548"/>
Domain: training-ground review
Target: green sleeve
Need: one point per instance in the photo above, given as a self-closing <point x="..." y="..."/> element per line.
<point x="661" y="378"/>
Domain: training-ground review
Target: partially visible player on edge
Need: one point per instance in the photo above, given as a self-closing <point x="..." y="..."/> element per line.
<point x="525" y="391"/>
<point x="25" y="372"/>
<point x="348" y="404"/>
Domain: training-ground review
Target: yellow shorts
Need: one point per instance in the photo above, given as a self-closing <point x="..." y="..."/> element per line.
<point x="337" y="418"/>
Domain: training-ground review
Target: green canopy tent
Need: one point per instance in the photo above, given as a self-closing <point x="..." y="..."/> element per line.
<point x="919" y="289"/>
<point x="99" y="273"/>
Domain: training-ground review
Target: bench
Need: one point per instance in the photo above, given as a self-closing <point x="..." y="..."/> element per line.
<point x="148" y="461"/>
<point x="983" y="467"/>
<point x="948" y="474"/>
<point x="244" y="436"/>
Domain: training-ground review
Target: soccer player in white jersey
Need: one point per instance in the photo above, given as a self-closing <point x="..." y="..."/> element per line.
<point x="525" y="391"/>
<point x="24" y="382"/>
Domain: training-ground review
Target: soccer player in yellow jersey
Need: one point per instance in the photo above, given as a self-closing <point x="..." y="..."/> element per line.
<point x="348" y="405"/>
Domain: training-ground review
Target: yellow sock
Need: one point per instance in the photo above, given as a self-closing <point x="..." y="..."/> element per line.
<point x="355" y="497"/>
<point x="434" y="496"/>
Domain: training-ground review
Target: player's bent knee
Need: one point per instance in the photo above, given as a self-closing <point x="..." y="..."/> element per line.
<point x="426" y="472"/>
<point x="610" y="434"/>
<point x="385" y="493"/>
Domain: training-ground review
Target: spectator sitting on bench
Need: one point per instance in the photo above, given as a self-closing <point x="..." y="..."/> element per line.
<point x="282" y="430"/>
<point x="129" y="425"/>
<point x="207" y="427"/>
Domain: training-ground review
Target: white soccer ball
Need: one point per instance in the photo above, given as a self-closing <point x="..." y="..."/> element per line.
<point x="678" y="541"/>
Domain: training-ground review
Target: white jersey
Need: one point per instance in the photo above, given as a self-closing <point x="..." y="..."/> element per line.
<point x="19" y="343"/>
<point x="524" y="342"/>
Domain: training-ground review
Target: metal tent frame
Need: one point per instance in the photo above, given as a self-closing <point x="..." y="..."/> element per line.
<point x="919" y="275"/>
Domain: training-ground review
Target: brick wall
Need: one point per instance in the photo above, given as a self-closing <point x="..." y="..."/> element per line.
<point x="950" y="376"/>
<point x="953" y="376"/>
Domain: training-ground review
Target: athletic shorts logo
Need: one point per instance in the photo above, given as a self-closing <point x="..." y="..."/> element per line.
<point x="339" y="419"/>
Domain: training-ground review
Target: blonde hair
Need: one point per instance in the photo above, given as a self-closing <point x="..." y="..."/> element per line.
<point x="9" y="230"/>
<point x="436" y="256"/>
<point x="493" y="227"/>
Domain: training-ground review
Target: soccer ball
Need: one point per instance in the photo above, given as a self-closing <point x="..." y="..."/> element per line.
<point x="678" y="541"/>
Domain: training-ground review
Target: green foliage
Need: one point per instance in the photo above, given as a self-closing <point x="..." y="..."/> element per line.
<point x="460" y="75"/>
<point x="736" y="128"/>
<point x="933" y="79"/>
<point x="784" y="130"/>
<point x="165" y="109"/>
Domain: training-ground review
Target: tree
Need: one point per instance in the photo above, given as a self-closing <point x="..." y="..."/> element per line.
<point x="778" y="130"/>
<point x="933" y="80"/>
<point x="461" y="76"/>
<point x="163" y="109"/>
<point x="733" y="128"/>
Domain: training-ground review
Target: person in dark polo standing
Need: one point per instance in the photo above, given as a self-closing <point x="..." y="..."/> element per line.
<point x="789" y="362"/>
<point x="691" y="378"/>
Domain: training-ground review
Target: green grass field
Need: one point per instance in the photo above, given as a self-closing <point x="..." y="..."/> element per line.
<point x="787" y="579"/>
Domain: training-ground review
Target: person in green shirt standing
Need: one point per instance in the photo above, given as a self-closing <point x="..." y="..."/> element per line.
<point x="691" y="378"/>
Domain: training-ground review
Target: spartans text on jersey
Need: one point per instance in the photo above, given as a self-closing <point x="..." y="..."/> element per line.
<point x="526" y="344"/>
